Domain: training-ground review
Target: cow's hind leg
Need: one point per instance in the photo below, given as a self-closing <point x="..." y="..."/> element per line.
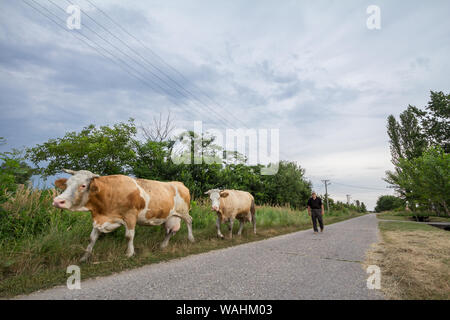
<point x="188" y="221"/>
<point x="95" y="233"/>
<point x="165" y="242"/>
<point x="172" y="225"/>
<point x="253" y="213"/>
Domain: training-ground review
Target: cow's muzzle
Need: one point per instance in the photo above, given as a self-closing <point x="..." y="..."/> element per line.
<point x="59" y="203"/>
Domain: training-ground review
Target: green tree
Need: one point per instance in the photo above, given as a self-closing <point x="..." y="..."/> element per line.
<point x="435" y="120"/>
<point x="104" y="150"/>
<point x="388" y="202"/>
<point x="406" y="137"/>
<point x="416" y="131"/>
<point x="13" y="171"/>
<point x="363" y="207"/>
<point x="426" y="180"/>
<point x="287" y="186"/>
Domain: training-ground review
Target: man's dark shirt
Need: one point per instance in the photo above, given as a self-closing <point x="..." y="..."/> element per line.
<point x="315" y="204"/>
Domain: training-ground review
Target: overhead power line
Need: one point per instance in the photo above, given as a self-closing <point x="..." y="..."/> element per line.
<point x="175" y="85"/>
<point x="169" y="66"/>
<point x="169" y="86"/>
<point x="135" y="74"/>
<point x="360" y="187"/>
<point x="75" y="34"/>
<point x="162" y="60"/>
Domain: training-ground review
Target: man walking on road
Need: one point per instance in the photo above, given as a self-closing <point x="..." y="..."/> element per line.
<point x="316" y="211"/>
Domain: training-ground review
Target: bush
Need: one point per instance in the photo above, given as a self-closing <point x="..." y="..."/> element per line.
<point x="388" y="203"/>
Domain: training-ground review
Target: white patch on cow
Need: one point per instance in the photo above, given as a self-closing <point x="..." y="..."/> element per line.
<point x="178" y="203"/>
<point x="108" y="227"/>
<point x="141" y="215"/>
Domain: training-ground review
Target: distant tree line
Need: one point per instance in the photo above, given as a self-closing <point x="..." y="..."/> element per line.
<point x="117" y="149"/>
<point x="108" y="150"/>
<point x="337" y="205"/>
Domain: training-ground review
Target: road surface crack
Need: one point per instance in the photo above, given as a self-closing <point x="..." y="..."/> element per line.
<point x="323" y="258"/>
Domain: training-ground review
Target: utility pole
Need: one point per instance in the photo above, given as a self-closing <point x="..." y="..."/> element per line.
<point x="348" y="199"/>
<point x="327" y="183"/>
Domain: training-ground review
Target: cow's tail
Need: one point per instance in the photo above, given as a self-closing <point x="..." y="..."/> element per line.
<point x="252" y="211"/>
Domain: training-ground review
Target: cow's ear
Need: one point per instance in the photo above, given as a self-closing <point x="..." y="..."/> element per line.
<point x="93" y="187"/>
<point x="208" y="192"/>
<point x="224" y="194"/>
<point x="61" y="183"/>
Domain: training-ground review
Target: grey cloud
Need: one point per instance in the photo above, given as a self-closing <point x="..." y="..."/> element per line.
<point x="313" y="70"/>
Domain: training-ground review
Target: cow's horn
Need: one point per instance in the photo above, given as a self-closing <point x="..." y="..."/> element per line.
<point x="69" y="171"/>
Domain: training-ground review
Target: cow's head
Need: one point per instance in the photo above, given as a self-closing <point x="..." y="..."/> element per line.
<point x="215" y="195"/>
<point x="75" y="190"/>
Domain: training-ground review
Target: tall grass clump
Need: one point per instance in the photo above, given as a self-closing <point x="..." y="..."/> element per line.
<point x="29" y="212"/>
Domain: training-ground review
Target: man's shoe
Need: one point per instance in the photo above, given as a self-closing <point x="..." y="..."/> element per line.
<point x="321" y="230"/>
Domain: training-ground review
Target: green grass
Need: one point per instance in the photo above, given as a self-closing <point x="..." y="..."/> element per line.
<point x="408" y="216"/>
<point x="401" y="226"/>
<point x="36" y="257"/>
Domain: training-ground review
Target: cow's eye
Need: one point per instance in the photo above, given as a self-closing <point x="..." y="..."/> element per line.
<point x="83" y="186"/>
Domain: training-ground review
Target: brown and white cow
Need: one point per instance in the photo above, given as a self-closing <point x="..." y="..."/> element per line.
<point x="120" y="200"/>
<point x="230" y="205"/>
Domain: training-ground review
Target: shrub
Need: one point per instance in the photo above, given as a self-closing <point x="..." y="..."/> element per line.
<point x="387" y="203"/>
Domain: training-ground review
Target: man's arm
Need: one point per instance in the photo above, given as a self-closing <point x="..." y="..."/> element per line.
<point x="309" y="211"/>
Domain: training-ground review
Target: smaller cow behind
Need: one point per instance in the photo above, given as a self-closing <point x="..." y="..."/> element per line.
<point x="120" y="200"/>
<point x="230" y="205"/>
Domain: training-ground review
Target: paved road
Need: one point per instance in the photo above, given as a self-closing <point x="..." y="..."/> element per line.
<point x="300" y="265"/>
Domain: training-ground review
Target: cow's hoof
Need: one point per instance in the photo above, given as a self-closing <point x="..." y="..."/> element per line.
<point x="162" y="246"/>
<point x="191" y="239"/>
<point x="130" y="254"/>
<point x="221" y="236"/>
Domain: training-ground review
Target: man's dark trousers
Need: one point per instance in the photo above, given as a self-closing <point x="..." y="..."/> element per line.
<point x="316" y="214"/>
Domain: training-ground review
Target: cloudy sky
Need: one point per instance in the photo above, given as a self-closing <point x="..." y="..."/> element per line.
<point x="311" y="69"/>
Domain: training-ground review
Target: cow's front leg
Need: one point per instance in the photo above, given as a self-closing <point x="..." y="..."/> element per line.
<point x="129" y="234"/>
<point x="95" y="233"/>
<point x="130" y="225"/>
<point x="230" y="227"/>
<point x="241" y="226"/>
<point x="219" y="233"/>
